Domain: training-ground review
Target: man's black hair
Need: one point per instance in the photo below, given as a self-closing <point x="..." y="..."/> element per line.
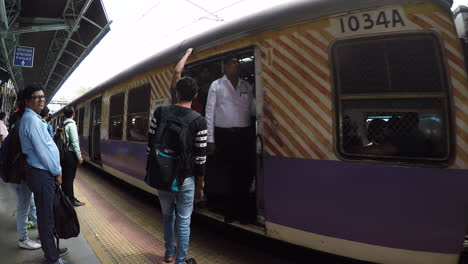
<point x="187" y="88"/>
<point x="29" y="90"/>
<point x="2" y="115"/>
<point x="44" y="112"/>
<point x="68" y="111"/>
<point x="229" y="57"/>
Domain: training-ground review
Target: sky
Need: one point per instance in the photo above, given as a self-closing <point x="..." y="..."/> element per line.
<point x="141" y="28"/>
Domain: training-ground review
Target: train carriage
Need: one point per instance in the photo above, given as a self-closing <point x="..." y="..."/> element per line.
<point x="362" y="124"/>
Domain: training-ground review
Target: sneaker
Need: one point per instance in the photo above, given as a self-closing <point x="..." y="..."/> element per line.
<point x="191" y="261"/>
<point x="62" y="261"/>
<point x="29" y="244"/>
<point x="63" y="252"/>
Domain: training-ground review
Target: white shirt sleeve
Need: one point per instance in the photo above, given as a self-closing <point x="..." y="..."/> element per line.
<point x="209" y="111"/>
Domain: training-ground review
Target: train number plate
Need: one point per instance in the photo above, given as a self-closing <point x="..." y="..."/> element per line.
<point x="372" y="21"/>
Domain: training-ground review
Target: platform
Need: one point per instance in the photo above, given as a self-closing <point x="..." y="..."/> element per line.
<point x="122" y="224"/>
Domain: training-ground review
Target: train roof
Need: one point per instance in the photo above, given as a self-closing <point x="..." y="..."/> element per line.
<point x="256" y="23"/>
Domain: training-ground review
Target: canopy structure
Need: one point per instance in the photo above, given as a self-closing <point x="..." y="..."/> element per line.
<point x="44" y="41"/>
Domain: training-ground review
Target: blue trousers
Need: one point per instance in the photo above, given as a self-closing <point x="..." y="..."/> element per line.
<point x="177" y="209"/>
<point x="42" y="184"/>
<point x="24" y="207"/>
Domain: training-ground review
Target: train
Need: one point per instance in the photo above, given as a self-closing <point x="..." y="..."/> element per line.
<point x="361" y="124"/>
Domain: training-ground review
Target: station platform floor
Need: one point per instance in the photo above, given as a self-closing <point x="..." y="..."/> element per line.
<point x="122" y="224"/>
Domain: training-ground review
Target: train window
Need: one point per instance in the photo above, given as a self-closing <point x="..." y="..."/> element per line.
<point x="116" y="116"/>
<point x="81" y="120"/>
<point x="138" y="113"/>
<point x="391" y="99"/>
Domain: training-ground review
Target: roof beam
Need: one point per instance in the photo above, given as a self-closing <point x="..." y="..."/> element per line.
<point x="70" y="34"/>
<point x="90" y="46"/>
<point x="39" y="28"/>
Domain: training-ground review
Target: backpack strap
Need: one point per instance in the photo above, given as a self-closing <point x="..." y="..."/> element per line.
<point x="65" y="131"/>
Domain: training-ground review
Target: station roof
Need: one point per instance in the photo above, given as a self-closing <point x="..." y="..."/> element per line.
<point x="62" y="33"/>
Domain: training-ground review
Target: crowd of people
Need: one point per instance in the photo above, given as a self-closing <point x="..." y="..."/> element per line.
<point x="223" y="128"/>
<point x="43" y="172"/>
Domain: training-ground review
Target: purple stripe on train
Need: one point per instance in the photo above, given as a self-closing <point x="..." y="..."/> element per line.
<point x="409" y="208"/>
<point x="125" y="156"/>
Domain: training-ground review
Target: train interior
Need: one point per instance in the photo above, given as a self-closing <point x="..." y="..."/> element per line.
<point x="218" y="184"/>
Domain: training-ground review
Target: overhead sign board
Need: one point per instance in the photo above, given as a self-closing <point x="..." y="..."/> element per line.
<point x="24" y="56"/>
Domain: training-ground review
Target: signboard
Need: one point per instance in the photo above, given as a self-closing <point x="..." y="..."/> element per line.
<point x="24" y="56"/>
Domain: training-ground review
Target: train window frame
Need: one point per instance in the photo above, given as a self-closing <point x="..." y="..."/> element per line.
<point x="142" y="114"/>
<point x="116" y="113"/>
<point x="441" y="98"/>
<point x="215" y="64"/>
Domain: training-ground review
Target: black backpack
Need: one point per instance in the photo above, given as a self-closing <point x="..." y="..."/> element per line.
<point x="66" y="220"/>
<point x="171" y="160"/>
<point x="60" y="140"/>
<point x="12" y="160"/>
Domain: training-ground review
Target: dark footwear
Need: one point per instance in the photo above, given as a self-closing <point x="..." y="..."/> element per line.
<point x="62" y="261"/>
<point x="169" y="259"/>
<point x="191" y="261"/>
<point x="78" y="203"/>
<point x="63" y="252"/>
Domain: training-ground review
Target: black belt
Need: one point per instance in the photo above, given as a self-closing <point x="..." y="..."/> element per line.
<point x="233" y="130"/>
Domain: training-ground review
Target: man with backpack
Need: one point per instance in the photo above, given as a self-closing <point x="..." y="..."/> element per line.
<point x="176" y="166"/>
<point x="43" y="171"/>
<point x="71" y="156"/>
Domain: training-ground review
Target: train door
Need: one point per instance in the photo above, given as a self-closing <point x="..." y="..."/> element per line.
<point x="221" y="187"/>
<point x="95" y="131"/>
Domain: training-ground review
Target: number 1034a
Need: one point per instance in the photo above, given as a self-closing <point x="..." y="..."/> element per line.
<point x="369" y="21"/>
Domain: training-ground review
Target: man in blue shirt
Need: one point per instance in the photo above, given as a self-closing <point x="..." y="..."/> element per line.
<point x="44" y="170"/>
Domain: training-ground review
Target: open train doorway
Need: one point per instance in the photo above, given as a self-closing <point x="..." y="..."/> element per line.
<point x="231" y="178"/>
<point x="95" y="131"/>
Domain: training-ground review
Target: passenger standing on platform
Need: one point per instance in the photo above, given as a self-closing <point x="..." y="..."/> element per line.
<point x="177" y="206"/>
<point x="44" y="171"/>
<point x="72" y="157"/>
<point x="229" y="112"/>
<point x="25" y="207"/>
<point x="45" y="117"/>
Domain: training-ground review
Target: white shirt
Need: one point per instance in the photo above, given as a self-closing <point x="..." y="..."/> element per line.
<point x="228" y="107"/>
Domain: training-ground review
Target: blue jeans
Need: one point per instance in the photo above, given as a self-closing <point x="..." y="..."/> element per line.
<point x="24" y="207"/>
<point x="180" y="203"/>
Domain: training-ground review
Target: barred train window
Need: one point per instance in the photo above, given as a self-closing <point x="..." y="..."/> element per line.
<point x="116" y="113"/>
<point x="391" y="99"/>
<point x="137" y="116"/>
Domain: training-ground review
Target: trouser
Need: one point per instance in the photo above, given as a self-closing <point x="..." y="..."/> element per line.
<point x="235" y="153"/>
<point x="25" y="208"/>
<point x="42" y="184"/>
<point x="177" y="210"/>
<point x="69" y="165"/>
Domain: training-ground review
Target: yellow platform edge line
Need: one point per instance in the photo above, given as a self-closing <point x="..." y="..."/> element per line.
<point x="88" y="234"/>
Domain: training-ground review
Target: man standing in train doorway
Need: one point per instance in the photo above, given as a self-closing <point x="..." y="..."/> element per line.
<point x="230" y="111"/>
<point x="177" y="135"/>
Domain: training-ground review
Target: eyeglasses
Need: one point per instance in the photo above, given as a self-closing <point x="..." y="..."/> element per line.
<point x="38" y="97"/>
